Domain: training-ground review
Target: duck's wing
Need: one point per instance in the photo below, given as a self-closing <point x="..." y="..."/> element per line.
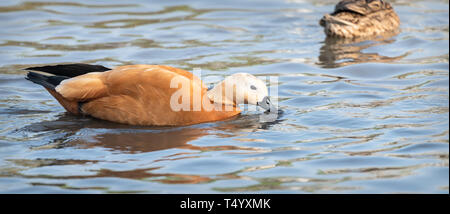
<point x="130" y="80"/>
<point x="144" y="94"/>
<point x="85" y="87"/>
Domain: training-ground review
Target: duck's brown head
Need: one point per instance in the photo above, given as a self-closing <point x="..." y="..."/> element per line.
<point x="360" y="18"/>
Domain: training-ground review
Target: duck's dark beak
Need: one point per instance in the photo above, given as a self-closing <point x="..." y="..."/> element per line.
<point x="267" y="105"/>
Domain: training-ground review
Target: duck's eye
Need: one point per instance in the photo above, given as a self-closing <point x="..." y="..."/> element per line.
<point x="253" y="87"/>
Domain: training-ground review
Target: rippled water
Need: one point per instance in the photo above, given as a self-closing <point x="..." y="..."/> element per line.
<point x="358" y="116"/>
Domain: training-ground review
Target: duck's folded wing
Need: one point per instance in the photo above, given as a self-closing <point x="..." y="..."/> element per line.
<point x="84" y="87"/>
<point x="131" y="80"/>
<point x="143" y="95"/>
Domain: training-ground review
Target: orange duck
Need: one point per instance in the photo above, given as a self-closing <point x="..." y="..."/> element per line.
<point x="148" y="94"/>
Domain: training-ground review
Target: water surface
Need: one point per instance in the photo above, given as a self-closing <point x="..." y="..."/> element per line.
<point x="358" y="116"/>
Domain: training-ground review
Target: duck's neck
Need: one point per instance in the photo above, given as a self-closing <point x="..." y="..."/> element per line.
<point x="217" y="95"/>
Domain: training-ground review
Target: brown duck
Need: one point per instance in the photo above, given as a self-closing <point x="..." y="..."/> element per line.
<point x="360" y="18"/>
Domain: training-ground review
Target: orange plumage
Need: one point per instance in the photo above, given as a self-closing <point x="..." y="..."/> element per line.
<point x="132" y="94"/>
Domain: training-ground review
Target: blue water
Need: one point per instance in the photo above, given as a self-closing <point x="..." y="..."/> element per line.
<point x="357" y="116"/>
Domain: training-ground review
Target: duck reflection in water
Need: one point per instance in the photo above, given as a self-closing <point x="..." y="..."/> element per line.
<point x="89" y="133"/>
<point x="86" y="133"/>
<point x="338" y="52"/>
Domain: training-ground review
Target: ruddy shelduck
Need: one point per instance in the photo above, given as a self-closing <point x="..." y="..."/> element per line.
<point x="148" y="94"/>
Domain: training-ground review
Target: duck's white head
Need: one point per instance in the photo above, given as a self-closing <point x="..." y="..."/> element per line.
<point x="242" y="88"/>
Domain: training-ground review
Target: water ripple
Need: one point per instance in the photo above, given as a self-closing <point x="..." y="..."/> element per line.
<point x="358" y="116"/>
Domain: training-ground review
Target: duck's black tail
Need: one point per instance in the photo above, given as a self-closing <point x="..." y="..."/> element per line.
<point x="69" y="70"/>
<point x="49" y="82"/>
<point x="61" y="73"/>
